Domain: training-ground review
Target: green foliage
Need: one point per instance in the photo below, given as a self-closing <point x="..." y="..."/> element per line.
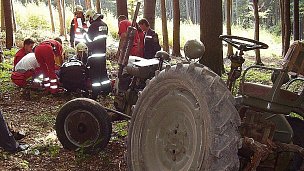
<point x="120" y="128"/>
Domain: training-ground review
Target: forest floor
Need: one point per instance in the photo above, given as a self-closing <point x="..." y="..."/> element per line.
<point x="37" y="117"/>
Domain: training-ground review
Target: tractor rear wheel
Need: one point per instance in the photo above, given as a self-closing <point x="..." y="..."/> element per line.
<point x="83" y="123"/>
<point x="184" y="119"/>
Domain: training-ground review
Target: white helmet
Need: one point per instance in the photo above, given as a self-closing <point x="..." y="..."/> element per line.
<point x="82" y="51"/>
<point x="81" y="47"/>
<point x="90" y="13"/>
<point x="78" y="8"/>
<point x="69" y="52"/>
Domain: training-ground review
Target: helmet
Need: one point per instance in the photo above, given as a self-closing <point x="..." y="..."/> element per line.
<point x="90" y="13"/>
<point x="81" y="47"/>
<point x="194" y="49"/>
<point x="69" y="52"/>
<point x="82" y="51"/>
<point x="162" y="55"/>
<point x="78" y="8"/>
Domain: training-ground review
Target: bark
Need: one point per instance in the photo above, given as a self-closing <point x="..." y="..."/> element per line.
<point x="60" y="17"/>
<point x="296" y="21"/>
<point x="149" y="12"/>
<point x="13" y="17"/>
<point x="122" y="8"/>
<point x="228" y="24"/>
<point x="63" y="20"/>
<point x="98" y="6"/>
<point x="176" y="29"/>
<point x="258" y="60"/>
<point x="2" y="17"/>
<point x="88" y="4"/>
<point x="164" y="26"/>
<point x="287" y="25"/>
<point x="210" y="29"/>
<point x="51" y="15"/>
<point x="7" y="8"/>
<point x="282" y="24"/>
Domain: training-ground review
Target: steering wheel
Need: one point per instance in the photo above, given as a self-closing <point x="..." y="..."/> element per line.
<point x="242" y="43"/>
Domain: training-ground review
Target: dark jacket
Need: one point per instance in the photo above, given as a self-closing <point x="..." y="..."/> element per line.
<point x="97" y="36"/>
<point x="151" y="44"/>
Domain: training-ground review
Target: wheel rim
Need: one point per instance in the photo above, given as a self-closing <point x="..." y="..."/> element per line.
<point x="82" y="128"/>
<point x="176" y="137"/>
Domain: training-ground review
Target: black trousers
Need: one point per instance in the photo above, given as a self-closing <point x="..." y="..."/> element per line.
<point x="7" y="140"/>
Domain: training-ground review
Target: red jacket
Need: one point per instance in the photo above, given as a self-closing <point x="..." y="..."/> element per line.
<point x="19" y="55"/>
<point x="123" y="28"/>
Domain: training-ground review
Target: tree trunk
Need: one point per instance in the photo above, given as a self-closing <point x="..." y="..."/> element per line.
<point x="13" y="17"/>
<point x="51" y="15"/>
<point x="60" y="17"/>
<point x="2" y="17"/>
<point x="63" y="20"/>
<point x="149" y="12"/>
<point x="258" y="60"/>
<point x="122" y="8"/>
<point x="7" y="8"/>
<point x="88" y="4"/>
<point x="98" y="6"/>
<point x="287" y="25"/>
<point x="282" y="24"/>
<point x="164" y="26"/>
<point x="228" y="24"/>
<point x="210" y="29"/>
<point x="176" y="29"/>
<point x="296" y="32"/>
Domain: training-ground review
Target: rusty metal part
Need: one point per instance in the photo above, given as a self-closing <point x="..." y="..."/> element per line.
<point x="260" y="152"/>
<point x="280" y="147"/>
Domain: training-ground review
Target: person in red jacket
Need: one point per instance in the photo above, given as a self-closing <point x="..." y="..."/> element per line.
<point x="45" y="53"/>
<point x="27" y="48"/>
<point x="123" y="24"/>
<point x="77" y="23"/>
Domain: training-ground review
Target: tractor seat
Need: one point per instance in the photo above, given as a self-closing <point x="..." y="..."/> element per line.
<point x="259" y="91"/>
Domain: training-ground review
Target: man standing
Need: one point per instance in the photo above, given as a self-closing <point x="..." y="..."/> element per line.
<point x="78" y="22"/>
<point x="96" y="38"/>
<point x="45" y="53"/>
<point x="97" y="33"/>
<point x="27" y="48"/>
<point x="151" y="42"/>
<point x="123" y="24"/>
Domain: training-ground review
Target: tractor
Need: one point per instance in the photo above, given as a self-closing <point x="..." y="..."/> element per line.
<point x="186" y="117"/>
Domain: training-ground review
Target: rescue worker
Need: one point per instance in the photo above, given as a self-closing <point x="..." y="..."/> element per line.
<point x="27" y="48"/>
<point x="123" y="24"/>
<point x="78" y="22"/>
<point x="151" y="42"/>
<point x="82" y="52"/>
<point x="45" y="53"/>
<point x="73" y="75"/>
<point x="96" y="63"/>
<point x="96" y="35"/>
<point x="26" y="68"/>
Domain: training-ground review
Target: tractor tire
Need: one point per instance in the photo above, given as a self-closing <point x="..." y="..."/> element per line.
<point x="184" y="119"/>
<point x="83" y="123"/>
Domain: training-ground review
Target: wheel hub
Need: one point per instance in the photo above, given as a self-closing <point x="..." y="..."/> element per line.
<point x="175" y="146"/>
<point x="82" y="128"/>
